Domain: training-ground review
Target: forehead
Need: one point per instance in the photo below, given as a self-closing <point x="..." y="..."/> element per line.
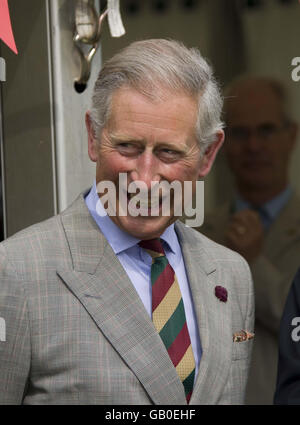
<point x="173" y="112"/>
<point x="253" y="104"/>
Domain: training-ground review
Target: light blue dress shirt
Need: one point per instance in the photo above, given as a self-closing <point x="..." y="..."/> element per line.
<point x="137" y="264"/>
<point x="271" y="209"/>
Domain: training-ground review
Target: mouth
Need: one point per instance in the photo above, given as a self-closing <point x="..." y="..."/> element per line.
<point x="255" y="164"/>
<point x="144" y="204"/>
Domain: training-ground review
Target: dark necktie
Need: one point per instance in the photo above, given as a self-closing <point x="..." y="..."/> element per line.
<point x="264" y="216"/>
<point x="168" y="314"/>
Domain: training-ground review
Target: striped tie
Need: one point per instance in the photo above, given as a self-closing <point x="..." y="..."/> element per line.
<point x="168" y="314"/>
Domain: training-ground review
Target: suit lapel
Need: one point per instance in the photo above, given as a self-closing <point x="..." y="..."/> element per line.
<point x="213" y="316"/>
<point x="100" y="283"/>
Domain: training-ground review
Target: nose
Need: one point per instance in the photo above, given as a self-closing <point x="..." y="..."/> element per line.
<point x="146" y="169"/>
<point x="253" y="143"/>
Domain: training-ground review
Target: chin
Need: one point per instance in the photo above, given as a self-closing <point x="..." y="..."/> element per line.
<point x="258" y="183"/>
<point x="144" y="228"/>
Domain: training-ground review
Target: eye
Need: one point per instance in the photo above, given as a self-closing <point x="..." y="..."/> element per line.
<point x="128" y="149"/>
<point x="266" y="131"/>
<point x="238" y="133"/>
<point x="169" y="155"/>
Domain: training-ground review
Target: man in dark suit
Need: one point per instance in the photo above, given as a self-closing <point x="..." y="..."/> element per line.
<point x="288" y="377"/>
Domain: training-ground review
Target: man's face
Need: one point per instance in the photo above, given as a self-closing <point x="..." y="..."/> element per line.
<point x="150" y="142"/>
<point x="258" y="140"/>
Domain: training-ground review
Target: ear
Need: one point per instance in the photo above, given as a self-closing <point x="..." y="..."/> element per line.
<point x="92" y="141"/>
<point x="210" y="154"/>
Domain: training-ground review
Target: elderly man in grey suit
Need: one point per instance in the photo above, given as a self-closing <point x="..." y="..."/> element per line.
<point x="131" y="308"/>
<point x="262" y="221"/>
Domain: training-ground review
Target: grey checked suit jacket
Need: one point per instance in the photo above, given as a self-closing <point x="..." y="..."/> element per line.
<point x="78" y="333"/>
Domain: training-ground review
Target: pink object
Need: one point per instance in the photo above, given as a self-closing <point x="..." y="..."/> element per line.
<point x="6" y="32"/>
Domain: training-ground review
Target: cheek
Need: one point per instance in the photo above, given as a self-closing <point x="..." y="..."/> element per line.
<point x="111" y="164"/>
<point x="233" y="151"/>
<point x="234" y="157"/>
<point x="282" y="152"/>
<point x="182" y="172"/>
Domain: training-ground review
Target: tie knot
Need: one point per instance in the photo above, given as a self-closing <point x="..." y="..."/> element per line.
<point x="261" y="211"/>
<point x="264" y="215"/>
<point x="154" y="247"/>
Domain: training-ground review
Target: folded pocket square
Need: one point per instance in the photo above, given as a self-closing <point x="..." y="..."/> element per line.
<point x="242" y="336"/>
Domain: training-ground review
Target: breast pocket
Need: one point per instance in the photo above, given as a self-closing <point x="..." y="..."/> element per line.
<point x="242" y="350"/>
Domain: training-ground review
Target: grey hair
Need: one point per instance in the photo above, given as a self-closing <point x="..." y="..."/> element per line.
<point x="149" y="66"/>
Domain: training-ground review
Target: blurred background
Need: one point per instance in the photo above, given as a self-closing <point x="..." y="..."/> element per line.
<point x="43" y="141"/>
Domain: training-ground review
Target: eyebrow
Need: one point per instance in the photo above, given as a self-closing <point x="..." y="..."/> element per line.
<point x="115" y="137"/>
<point x="124" y="138"/>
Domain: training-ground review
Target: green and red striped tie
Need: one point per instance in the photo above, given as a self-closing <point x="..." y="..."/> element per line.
<point x="168" y="314"/>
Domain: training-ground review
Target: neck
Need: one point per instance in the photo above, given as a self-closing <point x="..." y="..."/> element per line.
<point x="259" y="196"/>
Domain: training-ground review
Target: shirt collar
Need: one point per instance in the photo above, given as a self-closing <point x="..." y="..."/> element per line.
<point x="116" y="237"/>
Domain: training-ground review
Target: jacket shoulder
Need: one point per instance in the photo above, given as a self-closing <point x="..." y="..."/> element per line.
<point x="35" y="246"/>
<point x="47" y="233"/>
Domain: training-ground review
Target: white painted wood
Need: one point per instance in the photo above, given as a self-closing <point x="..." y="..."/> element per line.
<point x="74" y="170"/>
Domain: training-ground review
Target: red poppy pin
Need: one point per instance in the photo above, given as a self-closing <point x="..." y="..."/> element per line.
<point x="221" y="293"/>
